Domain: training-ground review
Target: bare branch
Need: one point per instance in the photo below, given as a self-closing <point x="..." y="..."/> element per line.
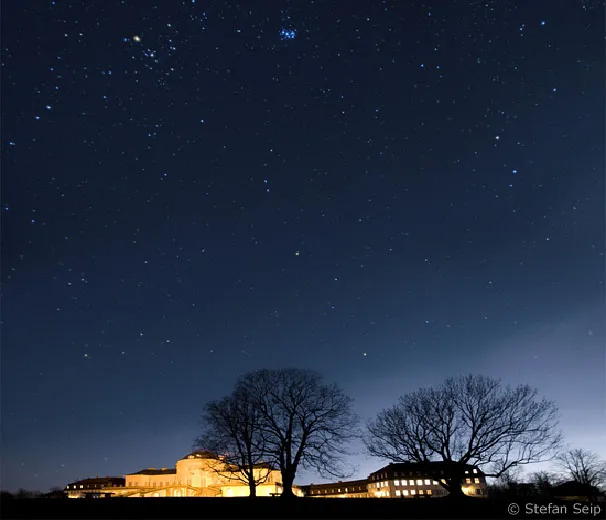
<point x="467" y="420"/>
<point x="304" y="422"/>
<point x="583" y="466"/>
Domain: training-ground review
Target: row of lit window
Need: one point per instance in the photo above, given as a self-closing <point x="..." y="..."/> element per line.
<point x="328" y="490"/>
<point x="420" y="482"/>
<point x="406" y="492"/>
<point x="92" y="486"/>
<point x="149" y="484"/>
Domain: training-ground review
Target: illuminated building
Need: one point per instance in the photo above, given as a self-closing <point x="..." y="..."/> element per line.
<point x="203" y="474"/>
<point x="199" y="474"/>
<point x="93" y="487"/>
<point x="401" y="480"/>
<point x="349" y="489"/>
<point x="421" y="480"/>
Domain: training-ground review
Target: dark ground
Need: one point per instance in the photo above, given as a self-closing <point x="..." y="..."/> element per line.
<point x="312" y="508"/>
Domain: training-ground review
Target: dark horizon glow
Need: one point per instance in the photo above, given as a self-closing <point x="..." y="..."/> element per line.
<point x="388" y="193"/>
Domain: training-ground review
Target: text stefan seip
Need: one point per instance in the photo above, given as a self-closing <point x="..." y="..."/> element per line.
<point x="578" y="508"/>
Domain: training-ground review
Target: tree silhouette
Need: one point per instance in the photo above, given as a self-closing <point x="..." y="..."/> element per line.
<point x="467" y="420"/>
<point x="304" y="422"/>
<point x="583" y="466"/>
<point x="543" y="483"/>
<point x="232" y="430"/>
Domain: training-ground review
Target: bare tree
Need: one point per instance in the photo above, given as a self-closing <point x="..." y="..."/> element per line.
<point x="583" y="466"/>
<point x="542" y="482"/>
<point x="304" y="421"/>
<point x="24" y="493"/>
<point x="232" y="430"/>
<point x="468" y="420"/>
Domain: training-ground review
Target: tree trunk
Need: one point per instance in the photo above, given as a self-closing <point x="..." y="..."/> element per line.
<point x="252" y="486"/>
<point x="287" y="481"/>
<point x="455" y="489"/>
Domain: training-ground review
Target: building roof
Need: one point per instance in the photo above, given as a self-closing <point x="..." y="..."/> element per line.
<point x="422" y="467"/>
<point x="154" y="471"/>
<point x="330" y="485"/>
<point x="200" y="454"/>
<point x="98" y="481"/>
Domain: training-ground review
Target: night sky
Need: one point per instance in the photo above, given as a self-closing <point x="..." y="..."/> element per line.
<point x="388" y="192"/>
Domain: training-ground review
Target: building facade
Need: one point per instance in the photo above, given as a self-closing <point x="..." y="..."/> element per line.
<point x="93" y="487"/>
<point x="421" y="480"/>
<point x="198" y="474"/>
<point x="402" y="480"/>
<point x="349" y="489"/>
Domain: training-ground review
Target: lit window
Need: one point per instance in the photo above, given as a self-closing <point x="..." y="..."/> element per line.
<point x="435" y="482"/>
<point x="428" y="492"/>
<point x="466" y="472"/>
<point x="405" y="492"/>
<point x="81" y="486"/>
<point x="467" y="481"/>
<point x="396" y="482"/>
<point x="387" y="493"/>
<point x="475" y="470"/>
<point x="476" y="480"/>
<point x="419" y="482"/>
<point x="398" y="493"/>
<point x="412" y="482"/>
<point x="412" y="492"/>
<point x="427" y="482"/>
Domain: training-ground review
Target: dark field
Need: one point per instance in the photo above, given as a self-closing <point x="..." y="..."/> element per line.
<point x="210" y="508"/>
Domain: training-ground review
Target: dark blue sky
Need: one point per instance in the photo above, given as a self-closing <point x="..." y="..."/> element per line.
<point x="388" y="192"/>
